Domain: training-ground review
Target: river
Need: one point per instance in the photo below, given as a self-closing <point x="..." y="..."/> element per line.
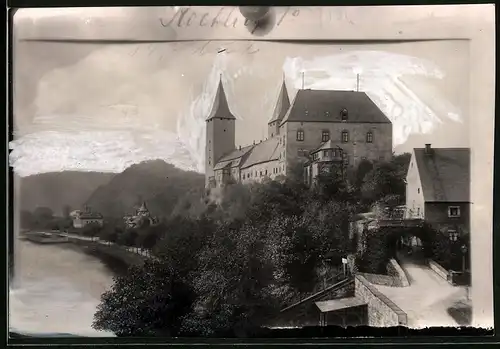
<point x="57" y="289"/>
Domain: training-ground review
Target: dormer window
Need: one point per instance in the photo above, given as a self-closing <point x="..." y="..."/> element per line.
<point x="300" y="135"/>
<point x="345" y="136"/>
<point x="369" y="137"/>
<point x="327" y="113"/>
<point x="306" y="112"/>
<point x="344" y="114"/>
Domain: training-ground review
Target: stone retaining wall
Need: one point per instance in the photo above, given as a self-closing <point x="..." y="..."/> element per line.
<point x="127" y="257"/>
<point x="442" y="272"/>
<point x="382" y="312"/>
<point x="378" y="279"/>
<point x="399" y="275"/>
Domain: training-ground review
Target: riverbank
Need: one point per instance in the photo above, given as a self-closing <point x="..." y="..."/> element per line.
<point x="116" y="266"/>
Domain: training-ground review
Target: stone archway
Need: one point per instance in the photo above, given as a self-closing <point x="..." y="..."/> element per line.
<point x="411" y="243"/>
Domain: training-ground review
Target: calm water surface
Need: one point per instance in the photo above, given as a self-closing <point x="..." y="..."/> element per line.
<point x="56" y="290"/>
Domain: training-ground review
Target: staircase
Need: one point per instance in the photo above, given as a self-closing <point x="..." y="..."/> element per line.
<point x="340" y="282"/>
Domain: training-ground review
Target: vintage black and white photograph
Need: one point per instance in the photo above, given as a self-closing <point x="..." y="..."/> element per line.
<point x="172" y="187"/>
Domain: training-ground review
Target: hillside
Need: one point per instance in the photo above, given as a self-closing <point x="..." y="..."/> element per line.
<point x="158" y="183"/>
<point x="56" y="189"/>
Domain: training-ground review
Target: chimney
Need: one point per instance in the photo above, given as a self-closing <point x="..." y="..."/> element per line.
<point x="253" y="142"/>
<point x="428" y="149"/>
<point x="240" y="147"/>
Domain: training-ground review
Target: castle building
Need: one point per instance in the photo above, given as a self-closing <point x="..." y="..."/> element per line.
<point x="141" y="217"/>
<point x="316" y="128"/>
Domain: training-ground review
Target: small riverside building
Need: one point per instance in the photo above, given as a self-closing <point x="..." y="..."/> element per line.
<point x="86" y="217"/>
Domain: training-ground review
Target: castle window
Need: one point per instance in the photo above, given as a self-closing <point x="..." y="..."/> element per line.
<point x="327" y="113"/>
<point x="345" y="136"/>
<point x="325" y="153"/>
<point x="369" y="137"/>
<point x="224" y="130"/>
<point x="266" y="172"/>
<point x="344" y="114"/>
<point x="284" y="140"/>
<point x="300" y="135"/>
<point x="325" y="136"/>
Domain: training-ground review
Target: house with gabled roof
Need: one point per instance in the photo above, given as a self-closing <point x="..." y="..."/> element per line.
<point x="438" y="188"/>
<point x="345" y="122"/>
<point x="86" y="217"/>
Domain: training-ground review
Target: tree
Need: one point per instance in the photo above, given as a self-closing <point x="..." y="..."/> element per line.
<point x="66" y="210"/>
<point x="233" y="282"/>
<point x="27" y="219"/>
<point x="43" y="217"/>
<point x="108" y="233"/>
<point x="148" y="301"/>
<point x="91" y="230"/>
<point x="128" y="238"/>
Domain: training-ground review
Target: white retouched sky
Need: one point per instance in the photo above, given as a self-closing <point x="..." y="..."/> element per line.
<point x="98" y="107"/>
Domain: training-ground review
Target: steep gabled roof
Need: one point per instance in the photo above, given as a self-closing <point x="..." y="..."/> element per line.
<point x="263" y="152"/>
<point x="327" y="105"/>
<point x="326" y="145"/>
<point x="91" y="215"/>
<point x="220" y="108"/>
<point x="234" y="158"/>
<point x="282" y="104"/>
<point x="444" y="174"/>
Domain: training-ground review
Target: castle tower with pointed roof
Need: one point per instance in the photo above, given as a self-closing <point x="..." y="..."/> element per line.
<point x="220" y="132"/>
<point x="333" y="121"/>
<point x="282" y="106"/>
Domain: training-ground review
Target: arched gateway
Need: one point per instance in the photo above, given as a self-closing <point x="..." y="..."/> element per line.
<point x="394" y="238"/>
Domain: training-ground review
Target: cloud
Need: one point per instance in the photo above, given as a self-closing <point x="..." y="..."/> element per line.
<point x="116" y="139"/>
<point x="381" y="77"/>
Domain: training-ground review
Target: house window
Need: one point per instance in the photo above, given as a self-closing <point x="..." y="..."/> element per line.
<point x="325" y="153"/>
<point x="327" y="113"/>
<point x="344" y="114"/>
<point x="453" y="211"/>
<point x="345" y="136"/>
<point x="369" y="137"/>
<point x="453" y="235"/>
<point x="325" y="136"/>
<point x="266" y="172"/>
<point x="418" y="190"/>
<point x="300" y="135"/>
<point x="418" y="211"/>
